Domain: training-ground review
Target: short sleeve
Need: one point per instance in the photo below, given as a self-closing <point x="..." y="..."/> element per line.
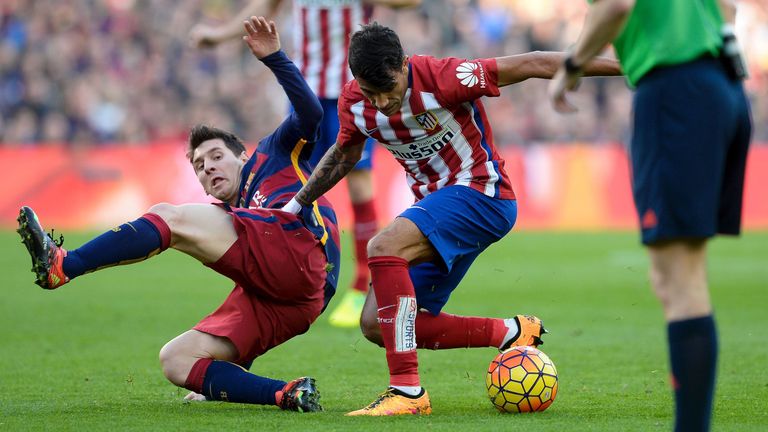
<point x="349" y="134"/>
<point x="460" y="80"/>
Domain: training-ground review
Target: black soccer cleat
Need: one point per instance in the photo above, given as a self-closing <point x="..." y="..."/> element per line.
<point x="301" y="395"/>
<point x="46" y="253"/>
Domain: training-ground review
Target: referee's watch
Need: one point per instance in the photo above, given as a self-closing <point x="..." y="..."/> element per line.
<point x="571" y="68"/>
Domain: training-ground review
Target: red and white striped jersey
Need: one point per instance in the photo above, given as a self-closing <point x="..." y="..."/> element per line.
<point x="441" y="135"/>
<point x="322" y="29"/>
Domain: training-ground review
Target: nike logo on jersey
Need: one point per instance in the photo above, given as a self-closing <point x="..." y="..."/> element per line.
<point x="370" y="131"/>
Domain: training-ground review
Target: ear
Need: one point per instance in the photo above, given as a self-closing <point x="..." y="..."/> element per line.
<point x="406" y="59"/>
<point x="243" y="157"/>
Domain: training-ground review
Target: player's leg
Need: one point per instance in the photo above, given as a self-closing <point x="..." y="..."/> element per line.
<point x="390" y="253"/>
<point x="441" y="330"/>
<point x="680" y="201"/>
<point x="360" y="187"/>
<point x="201" y="230"/>
<point x="205" y="364"/>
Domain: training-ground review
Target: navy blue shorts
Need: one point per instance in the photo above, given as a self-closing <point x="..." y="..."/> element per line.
<point x="689" y="148"/>
<point x="329" y="131"/>
<point x="460" y="222"/>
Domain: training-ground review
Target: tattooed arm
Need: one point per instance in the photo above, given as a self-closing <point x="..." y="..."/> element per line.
<point x="334" y="166"/>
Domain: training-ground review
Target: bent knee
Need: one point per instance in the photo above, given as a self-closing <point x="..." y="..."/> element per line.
<point x="371" y="329"/>
<point x="382" y="245"/>
<point x="170" y="213"/>
<point x="176" y="364"/>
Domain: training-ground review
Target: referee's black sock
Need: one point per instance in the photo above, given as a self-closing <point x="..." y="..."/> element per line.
<point x="693" y="356"/>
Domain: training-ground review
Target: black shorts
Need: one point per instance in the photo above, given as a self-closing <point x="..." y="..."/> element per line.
<point x="689" y="148"/>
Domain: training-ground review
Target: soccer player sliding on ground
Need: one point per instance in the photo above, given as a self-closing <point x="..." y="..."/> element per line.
<point x="321" y="37"/>
<point x="427" y="113"/>
<point x="245" y="237"/>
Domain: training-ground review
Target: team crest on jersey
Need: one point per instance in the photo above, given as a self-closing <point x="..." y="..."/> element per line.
<point x="427" y="120"/>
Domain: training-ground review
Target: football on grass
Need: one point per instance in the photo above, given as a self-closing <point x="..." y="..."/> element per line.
<point x="521" y="379"/>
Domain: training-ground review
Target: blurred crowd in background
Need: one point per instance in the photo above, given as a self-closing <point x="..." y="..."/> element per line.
<point x="87" y="72"/>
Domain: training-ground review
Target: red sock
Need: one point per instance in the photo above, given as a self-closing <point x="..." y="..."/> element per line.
<point x="364" y="230"/>
<point x="447" y="331"/>
<point x="397" y="317"/>
<point x="197" y="375"/>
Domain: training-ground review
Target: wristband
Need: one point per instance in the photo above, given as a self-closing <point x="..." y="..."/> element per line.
<point x="293" y="206"/>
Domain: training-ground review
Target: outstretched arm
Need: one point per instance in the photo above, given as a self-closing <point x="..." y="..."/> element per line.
<point x="543" y="64"/>
<point x="264" y="41"/>
<point x="204" y="36"/>
<point x="605" y="20"/>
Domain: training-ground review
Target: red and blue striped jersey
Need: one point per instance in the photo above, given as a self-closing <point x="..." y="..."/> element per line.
<point x="279" y="167"/>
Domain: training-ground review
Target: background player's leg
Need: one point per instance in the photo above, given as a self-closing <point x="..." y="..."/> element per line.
<point x="678" y="276"/>
<point x="360" y="186"/>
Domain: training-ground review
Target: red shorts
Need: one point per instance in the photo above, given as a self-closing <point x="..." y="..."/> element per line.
<point x="279" y="270"/>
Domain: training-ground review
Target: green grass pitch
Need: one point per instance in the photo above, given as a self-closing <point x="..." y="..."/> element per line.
<point x="85" y="357"/>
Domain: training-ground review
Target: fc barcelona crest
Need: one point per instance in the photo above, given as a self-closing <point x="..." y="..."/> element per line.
<point x="427" y="120"/>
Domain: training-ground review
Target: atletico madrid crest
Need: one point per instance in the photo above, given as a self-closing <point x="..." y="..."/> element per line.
<point x="427" y="120"/>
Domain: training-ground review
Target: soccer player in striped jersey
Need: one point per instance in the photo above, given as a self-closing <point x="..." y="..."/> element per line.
<point x="245" y="237"/>
<point x="427" y="113"/>
<point x="321" y="31"/>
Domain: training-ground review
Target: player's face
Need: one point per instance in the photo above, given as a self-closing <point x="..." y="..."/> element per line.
<point x="388" y="102"/>
<point x="218" y="169"/>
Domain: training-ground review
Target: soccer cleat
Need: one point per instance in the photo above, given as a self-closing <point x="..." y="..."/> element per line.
<point x="530" y="331"/>
<point x="301" y="395"/>
<point x="347" y="313"/>
<point x="390" y="403"/>
<point x="47" y="253"/>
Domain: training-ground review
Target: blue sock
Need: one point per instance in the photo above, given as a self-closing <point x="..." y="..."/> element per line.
<point x="229" y="382"/>
<point x="693" y="355"/>
<point x="130" y="242"/>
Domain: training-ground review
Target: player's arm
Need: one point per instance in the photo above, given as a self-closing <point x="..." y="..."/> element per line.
<point x="203" y="35"/>
<point x="335" y="165"/>
<point x="604" y="22"/>
<point x="394" y="4"/>
<point x="543" y="64"/>
<point x="264" y="41"/>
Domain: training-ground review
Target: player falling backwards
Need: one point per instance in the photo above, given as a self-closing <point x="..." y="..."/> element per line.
<point x="321" y="36"/>
<point x="245" y="237"/>
<point x="427" y="113"/>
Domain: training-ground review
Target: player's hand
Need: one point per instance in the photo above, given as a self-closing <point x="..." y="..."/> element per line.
<point x="261" y="36"/>
<point x="204" y="36"/>
<point x="562" y="83"/>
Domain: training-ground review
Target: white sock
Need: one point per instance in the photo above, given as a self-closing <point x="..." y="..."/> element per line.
<point x="409" y="390"/>
<point x="512" y="331"/>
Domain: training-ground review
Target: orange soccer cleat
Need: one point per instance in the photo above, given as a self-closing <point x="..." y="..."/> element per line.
<point x="530" y="331"/>
<point x="47" y="253"/>
<point x="391" y="403"/>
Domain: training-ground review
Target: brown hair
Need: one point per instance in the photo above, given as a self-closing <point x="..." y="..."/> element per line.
<point x="202" y="133"/>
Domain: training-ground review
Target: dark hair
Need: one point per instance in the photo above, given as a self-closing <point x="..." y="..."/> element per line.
<point x="202" y="133"/>
<point x="375" y="54"/>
